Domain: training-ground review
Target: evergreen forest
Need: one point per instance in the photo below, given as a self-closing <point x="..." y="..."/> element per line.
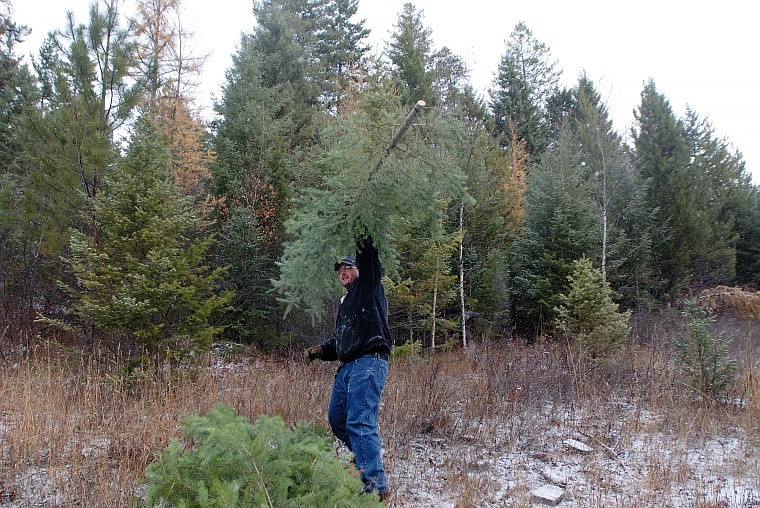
<point x="131" y="223"/>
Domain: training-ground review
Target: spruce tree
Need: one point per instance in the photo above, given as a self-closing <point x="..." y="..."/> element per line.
<point x="422" y="305"/>
<point x="141" y="275"/>
<point x="491" y="222"/>
<point x="662" y="157"/>
<point x="702" y="355"/>
<point x="340" y="49"/>
<point x="587" y="314"/>
<point x="716" y="177"/>
<point x="560" y="226"/>
<point x="525" y="80"/>
<point x="748" y="229"/>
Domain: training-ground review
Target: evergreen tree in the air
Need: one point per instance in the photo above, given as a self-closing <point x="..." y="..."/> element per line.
<point x="361" y="192"/>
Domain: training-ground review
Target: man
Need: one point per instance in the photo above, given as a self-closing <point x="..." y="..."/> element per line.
<point x="361" y="342"/>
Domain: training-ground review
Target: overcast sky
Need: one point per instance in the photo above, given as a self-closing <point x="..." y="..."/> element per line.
<point x="699" y="53"/>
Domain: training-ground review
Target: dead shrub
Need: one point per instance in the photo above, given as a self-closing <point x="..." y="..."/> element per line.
<point x="734" y="300"/>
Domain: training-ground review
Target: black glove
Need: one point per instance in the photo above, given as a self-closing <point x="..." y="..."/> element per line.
<point x="312" y="353"/>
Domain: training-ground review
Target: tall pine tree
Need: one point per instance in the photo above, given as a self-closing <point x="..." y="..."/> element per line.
<point x="140" y="276"/>
<point x="410" y="52"/>
<point x="267" y="117"/>
<point x="716" y="176"/>
<point x="693" y="180"/>
<point x="525" y="81"/>
<point x="19" y="252"/>
<point x="89" y="93"/>
<point x="560" y="226"/>
<point x="662" y="157"/>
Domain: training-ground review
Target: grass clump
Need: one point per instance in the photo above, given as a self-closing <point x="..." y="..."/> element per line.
<point x="225" y="460"/>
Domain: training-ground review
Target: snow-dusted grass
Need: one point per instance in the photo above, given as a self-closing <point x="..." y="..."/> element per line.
<point x="482" y="427"/>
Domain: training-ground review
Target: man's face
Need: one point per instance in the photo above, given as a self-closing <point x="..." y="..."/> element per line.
<point x="347" y="274"/>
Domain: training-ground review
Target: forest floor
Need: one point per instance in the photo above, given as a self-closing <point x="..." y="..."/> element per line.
<point x="486" y="426"/>
<point x="650" y="467"/>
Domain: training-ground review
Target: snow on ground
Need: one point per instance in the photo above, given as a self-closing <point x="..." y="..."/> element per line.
<point x="648" y="469"/>
<point x="504" y="468"/>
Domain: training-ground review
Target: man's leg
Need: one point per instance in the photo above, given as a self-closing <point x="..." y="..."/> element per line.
<point x="365" y="386"/>
<point x="336" y="412"/>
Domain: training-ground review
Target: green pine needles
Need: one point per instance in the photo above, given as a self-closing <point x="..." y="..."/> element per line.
<point x="349" y="198"/>
<point x="589" y="316"/>
<point x="702" y="356"/>
<point x="140" y="273"/>
<point x="226" y="461"/>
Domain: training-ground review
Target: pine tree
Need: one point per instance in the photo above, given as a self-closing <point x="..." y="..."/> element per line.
<point x="587" y="314"/>
<point x="662" y="158"/>
<point x="525" y="81"/>
<point x="88" y="94"/>
<point x="410" y="52"/>
<point x="140" y="275"/>
<point x="452" y="86"/>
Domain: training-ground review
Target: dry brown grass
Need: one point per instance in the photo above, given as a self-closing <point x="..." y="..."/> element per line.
<point x="741" y="302"/>
<point x="476" y="427"/>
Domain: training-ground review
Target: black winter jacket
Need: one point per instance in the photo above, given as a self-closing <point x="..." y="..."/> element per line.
<point x="362" y="324"/>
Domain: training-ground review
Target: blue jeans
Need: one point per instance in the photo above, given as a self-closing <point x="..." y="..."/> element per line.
<point x="354" y="406"/>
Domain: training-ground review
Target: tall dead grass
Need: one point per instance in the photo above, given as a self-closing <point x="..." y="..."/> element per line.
<point x="74" y="431"/>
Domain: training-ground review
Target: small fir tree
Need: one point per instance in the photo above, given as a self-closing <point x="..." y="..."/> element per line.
<point x="227" y="461"/>
<point x="141" y="274"/>
<point x="588" y="315"/>
<point x="702" y="356"/>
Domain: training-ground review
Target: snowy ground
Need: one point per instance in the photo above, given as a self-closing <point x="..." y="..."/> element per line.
<point x="651" y="469"/>
<point x="636" y="458"/>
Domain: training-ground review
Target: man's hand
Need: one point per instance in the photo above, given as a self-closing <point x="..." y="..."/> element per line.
<point x="313" y="352"/>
